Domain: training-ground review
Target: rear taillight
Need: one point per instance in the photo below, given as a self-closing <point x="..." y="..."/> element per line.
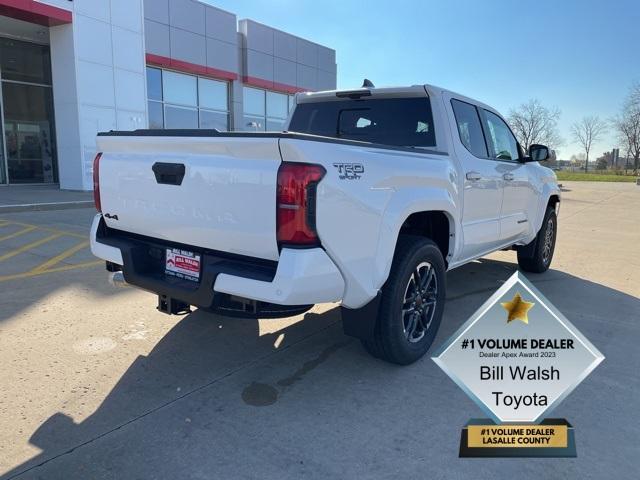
<point x="296" y="203"/>
<point x="96" y="182"/>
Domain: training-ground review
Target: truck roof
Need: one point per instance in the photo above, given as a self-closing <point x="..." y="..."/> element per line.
<point x="401" y="91"/>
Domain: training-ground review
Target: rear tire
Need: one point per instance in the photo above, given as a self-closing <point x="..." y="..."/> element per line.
<point x="537" y="259"/>
<point x="411" y="304"/>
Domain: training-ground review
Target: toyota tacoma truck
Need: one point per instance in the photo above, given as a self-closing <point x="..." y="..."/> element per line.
<point x="367" y="198"/>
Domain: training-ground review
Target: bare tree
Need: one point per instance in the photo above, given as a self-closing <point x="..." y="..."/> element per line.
<point x="627" y="125"/>
<point x="586" y="132"/>
<point x="532" y="123"/>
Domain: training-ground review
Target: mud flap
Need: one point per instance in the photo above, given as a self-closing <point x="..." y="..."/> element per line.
<point x="361" y="322"/>
<point x="528" y="250"/>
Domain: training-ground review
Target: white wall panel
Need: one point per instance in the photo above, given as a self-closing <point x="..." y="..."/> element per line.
<point x="99" y="9"/>
<point x="98" y="81"/>
<point x="130" y="90"/>
<point x="130" y="120"/>
<point x="95" y="40"/>
<point x="92" y="120"/>
<point x="95" y="84"/>
<point x="127" y="50"/>
<point x="127" y="14"/>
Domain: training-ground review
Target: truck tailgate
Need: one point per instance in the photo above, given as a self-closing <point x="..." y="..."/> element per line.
<point x="226" y="200"/>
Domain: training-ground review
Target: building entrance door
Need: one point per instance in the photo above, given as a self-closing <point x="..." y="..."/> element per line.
<point x="29" y="153"/>
<point x="28" y="133"/>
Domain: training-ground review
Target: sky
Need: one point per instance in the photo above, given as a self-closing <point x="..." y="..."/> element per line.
<point x="579" y="55"/>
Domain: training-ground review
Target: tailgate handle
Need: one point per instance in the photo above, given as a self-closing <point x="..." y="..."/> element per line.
<point x="169" y="173"/>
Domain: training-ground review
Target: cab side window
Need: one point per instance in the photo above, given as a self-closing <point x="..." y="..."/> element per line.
<point x="469" y="127"/>
<point x="502" y="143"/>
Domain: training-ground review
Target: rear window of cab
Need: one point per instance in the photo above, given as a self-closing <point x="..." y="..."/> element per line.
<point x="406" y="122"/>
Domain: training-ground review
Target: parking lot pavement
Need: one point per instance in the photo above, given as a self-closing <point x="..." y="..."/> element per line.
<point x="28" y="249"/>
<point x="97" y="384"/>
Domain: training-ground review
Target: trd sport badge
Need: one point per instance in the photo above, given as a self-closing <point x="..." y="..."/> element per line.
<point x="349" y="171"/>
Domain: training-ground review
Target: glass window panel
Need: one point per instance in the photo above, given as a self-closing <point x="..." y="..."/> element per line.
<point x="213" y="94"/>
<point x="252" y="123"/>
<point x="217" y="120"/>
<point x="25" y="62"/>
<point x="275" y="125"/>
<point x="156" y="120"/>
<point x="253" y="101"/>
<point x="389" y="121"/>
<point x="154" y="83"/>
<point x="503" y="143"/>
<point x="179" y="88"/>
<point x="292" y="102"/>
<point x="276" y="105"/>
<point x="180" y="117"/>
<point x="29" y="133"/>
<point x="469" y="128"/>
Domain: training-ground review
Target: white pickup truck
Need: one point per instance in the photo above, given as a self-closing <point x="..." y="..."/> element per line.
<point x="367" y="198"/>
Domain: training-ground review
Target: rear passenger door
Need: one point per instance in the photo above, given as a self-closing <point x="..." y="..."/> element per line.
<point x="482" y="180"/>
<point x="518" y="188"/>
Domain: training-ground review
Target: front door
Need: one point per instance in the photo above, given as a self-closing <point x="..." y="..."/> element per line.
<point x="518" y="189"/>
<point x="482" y="183"/>
<point x="518" y="193"/>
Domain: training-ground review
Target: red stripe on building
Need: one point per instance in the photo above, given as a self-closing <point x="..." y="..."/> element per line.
<point x="195" y="69"/>
<point x="279" y="87"/>
<point x="35" y="12"/>
<point x="187" y="67"/>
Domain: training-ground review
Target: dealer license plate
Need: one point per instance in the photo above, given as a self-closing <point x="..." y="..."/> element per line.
<point x="182" y="264"/>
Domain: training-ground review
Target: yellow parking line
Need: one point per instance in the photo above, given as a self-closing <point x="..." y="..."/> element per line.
<point x="29" y="246"/>
<point x="17" y="234"/>
<point x="51" y="270"/>
<point x="58" y="258"/>
<point x="46" y="229"/>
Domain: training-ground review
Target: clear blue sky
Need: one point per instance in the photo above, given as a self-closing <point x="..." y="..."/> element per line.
<point x="580" y="56"/>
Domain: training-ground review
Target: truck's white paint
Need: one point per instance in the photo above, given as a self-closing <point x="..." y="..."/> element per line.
<point x="231" y="183"/>
<point x="226" y="200"/>
<point x="358" y="220"/>
<point x="100" y="250"/>
<point x="304" y="276"/>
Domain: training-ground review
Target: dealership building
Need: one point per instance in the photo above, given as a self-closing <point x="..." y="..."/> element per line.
<point x="72" y="68"/>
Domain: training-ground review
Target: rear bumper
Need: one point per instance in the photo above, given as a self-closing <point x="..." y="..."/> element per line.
<point x="100" y="250"/>
<point x="300" y="277"/>
<point x="303" y="276"/>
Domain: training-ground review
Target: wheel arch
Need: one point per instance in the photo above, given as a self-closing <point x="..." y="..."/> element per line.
<point x="549" y="196"/>
<point x="432" y="224"/>
<point x="436" y="211"/>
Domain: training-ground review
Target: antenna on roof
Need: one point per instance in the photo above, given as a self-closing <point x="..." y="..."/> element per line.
<point x="368" y="84"/>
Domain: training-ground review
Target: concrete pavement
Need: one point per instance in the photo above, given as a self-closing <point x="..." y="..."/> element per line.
<point x="97" y="384"/>
<point x="21" y="198"/>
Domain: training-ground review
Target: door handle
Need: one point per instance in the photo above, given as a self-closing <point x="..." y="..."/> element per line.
<point x="473" y="176"/>
<point x="508" y="176"/>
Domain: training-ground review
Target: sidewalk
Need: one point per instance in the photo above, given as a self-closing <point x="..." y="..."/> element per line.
<point x="22" y="198"/>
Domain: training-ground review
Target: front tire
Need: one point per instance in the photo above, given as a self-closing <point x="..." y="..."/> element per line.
<point x="537" y="257"/>
<point x="411" y="304"/>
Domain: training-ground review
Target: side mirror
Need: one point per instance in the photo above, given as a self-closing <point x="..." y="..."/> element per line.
<point x="539" y="153"/>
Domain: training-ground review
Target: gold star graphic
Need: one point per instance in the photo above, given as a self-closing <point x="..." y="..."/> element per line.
<point x="517" y="309"/>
